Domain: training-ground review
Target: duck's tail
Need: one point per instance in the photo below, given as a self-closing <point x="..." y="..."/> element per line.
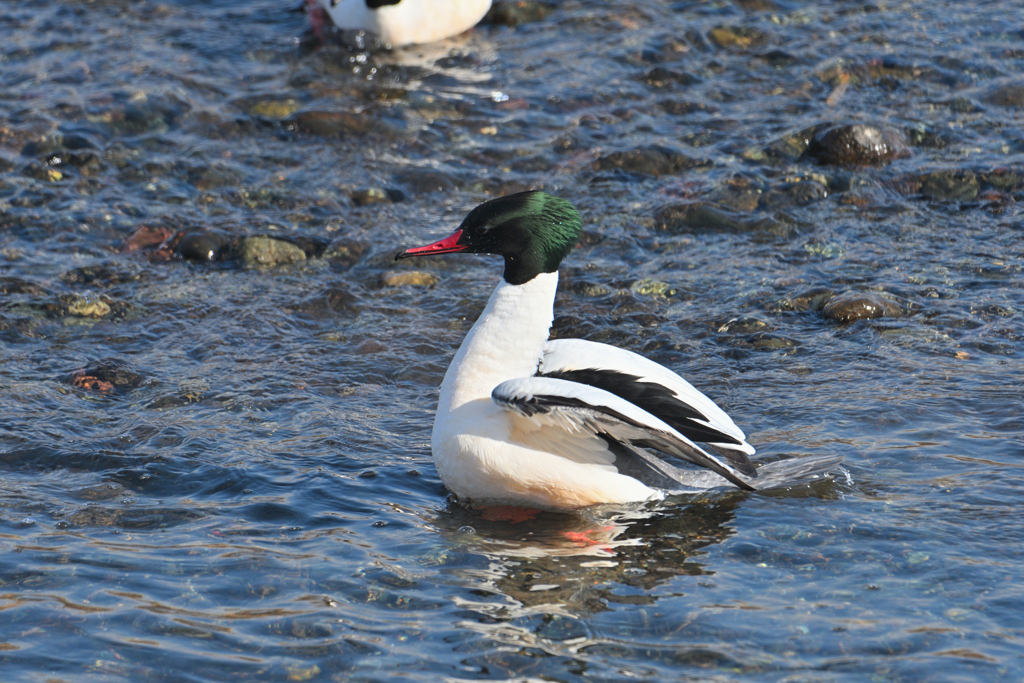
<point x="774" y="475"/>
<point x="660" y="474"/>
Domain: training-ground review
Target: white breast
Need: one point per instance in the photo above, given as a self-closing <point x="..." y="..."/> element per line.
<point x="482" y="452"/>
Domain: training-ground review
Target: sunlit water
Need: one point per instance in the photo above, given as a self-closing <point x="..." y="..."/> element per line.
<point x="216" y="472"/>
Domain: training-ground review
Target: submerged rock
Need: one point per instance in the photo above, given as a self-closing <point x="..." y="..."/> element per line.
<point x="949" y="185"/>
<point x="779" y="58"/>
<point x="744" y="324"/>
<point x="333" y="300"/>
<point x="84" y="306"/>
<point x="660" y="77"/>
<point x="654" y="160"/>
<point x="852" y="306"/>
<point x="408" y="278"/>
<point x="312" y="247"/>
<point x="131" y="518"/>
<point x="214" y="176"/>
<point x="106" y="375"/>
<point x="329" y="123"/>
<point x="345" y="253"/>
<point x="655" y="288"/>
<point x="701" y="217"/>
<point x="856" y="144"/>
<point x="685" y="107"/>
<point x="425" y="180"/>
<point x="764" y="341"/>
<point x="101" y="274"/>
<point x="1006" y="179"/>
<point x="274" y="109"/>
<point x="265" y="252"/>
<point x="789" y="148"/>
<point x="17" y="285"/>
<point x="1006" y="95"/>
<point x="741" y="37"/>
<point x="813" y="299"/>
<point x="375" y="195"/>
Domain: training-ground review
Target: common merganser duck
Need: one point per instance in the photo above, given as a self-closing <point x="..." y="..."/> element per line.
<point x="563" y="424"/>
<point x="404" y="22"/>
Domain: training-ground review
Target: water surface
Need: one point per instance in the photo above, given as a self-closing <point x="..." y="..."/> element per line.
<point x="220" y="471"/>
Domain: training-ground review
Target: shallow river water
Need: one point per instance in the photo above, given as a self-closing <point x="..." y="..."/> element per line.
<point x="218" y="388"/>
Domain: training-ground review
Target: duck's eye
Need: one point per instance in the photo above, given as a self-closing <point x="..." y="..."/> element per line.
<point x="482" y="229"/>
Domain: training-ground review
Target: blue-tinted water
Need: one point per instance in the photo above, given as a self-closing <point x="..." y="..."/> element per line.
<point x="221" y="471"/>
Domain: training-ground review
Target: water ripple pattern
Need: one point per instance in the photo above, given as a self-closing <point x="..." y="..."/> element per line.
<point x="218" y="387"/>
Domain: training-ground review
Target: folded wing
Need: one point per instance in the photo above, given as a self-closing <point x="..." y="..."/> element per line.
<point x="576" y="408"/>
<point x="651" y="387"/>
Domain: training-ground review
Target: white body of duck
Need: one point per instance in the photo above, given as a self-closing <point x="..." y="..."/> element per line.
<point x="486" y="454"/>
<point x="564" y="424"/>
<point x="407" y="21"/>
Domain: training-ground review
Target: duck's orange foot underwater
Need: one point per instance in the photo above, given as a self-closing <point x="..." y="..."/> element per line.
<point x="582" y="538"/>
<point x="508" y="513"/>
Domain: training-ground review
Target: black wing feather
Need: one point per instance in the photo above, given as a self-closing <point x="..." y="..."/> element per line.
<point x="661" y="402"/>
<point x="539" y="404"/>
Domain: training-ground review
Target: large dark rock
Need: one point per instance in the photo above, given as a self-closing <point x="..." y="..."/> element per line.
<point x="851" y="306"/>
<point x="856" y="144"/>
<point x="654" y="160"/>
<point x="201" y="246"/>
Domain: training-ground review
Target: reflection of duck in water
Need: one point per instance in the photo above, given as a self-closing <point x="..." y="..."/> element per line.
<point x="565" y="424"/>
<point x="400" y="22"/>
<point x="573" y="563"/>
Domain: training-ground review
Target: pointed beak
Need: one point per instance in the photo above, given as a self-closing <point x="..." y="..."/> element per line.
<point x="449" y="245"/>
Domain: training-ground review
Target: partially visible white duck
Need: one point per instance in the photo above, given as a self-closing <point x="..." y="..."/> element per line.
<point x="405" y="22"/>
<point x="562" y="424"/>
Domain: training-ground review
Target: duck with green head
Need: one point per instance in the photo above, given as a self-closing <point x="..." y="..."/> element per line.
<point x="564" y="424"/>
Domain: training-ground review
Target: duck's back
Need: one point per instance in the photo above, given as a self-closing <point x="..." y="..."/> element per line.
<point x="406" y="22"/>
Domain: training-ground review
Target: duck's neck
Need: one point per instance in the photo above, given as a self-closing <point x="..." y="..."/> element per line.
<point x="506" y="342"/>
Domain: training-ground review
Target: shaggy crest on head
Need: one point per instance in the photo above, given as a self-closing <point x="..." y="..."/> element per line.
<point x="566" y="423"/>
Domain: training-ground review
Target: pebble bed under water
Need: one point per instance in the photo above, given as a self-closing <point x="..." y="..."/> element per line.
<point x="218" y="388"/>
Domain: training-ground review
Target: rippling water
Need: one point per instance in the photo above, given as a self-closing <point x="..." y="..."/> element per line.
<point x="218" y="470"/>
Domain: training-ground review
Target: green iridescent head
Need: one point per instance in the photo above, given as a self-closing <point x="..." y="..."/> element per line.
<point x="532" y="230"/>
